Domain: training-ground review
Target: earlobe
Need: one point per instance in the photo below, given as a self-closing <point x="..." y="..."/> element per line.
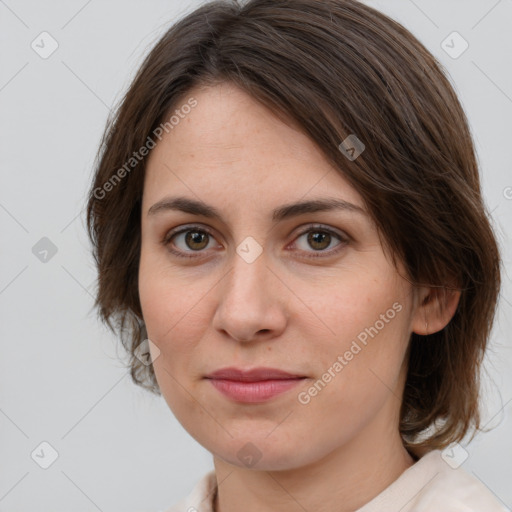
<point x="437" y="307"/>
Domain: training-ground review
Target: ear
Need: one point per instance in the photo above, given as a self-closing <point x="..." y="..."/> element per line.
<point x="435" y="309"/>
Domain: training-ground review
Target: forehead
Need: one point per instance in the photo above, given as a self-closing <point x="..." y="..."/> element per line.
<point x="232" y="150"/>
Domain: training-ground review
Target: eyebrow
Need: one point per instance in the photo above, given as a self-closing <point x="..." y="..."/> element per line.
<point x="285" y="211"/>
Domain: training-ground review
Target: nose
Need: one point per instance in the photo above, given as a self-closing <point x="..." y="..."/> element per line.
<point x="250" y="307"/>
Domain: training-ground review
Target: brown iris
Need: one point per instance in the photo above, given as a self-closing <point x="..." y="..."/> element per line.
<point x="194" y="237"/>
<point x="318" y="237"/>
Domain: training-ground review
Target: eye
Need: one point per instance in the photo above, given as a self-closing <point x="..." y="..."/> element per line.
<point x="319" y="238"/>
<point x="196" y="239"/>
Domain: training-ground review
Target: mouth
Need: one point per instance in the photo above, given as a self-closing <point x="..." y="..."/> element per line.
<point x="254" y="385"/>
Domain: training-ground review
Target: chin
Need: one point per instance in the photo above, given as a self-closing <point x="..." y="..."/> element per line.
<point x="261" y="453"/>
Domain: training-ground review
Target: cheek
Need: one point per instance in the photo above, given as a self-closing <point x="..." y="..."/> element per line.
<point x="175" y="314"/>
<point x="356" y="303"/>
<point x="158" y="294"/>
<point x="356" y="377"/>
<point x="173" y="325"/>
<point x="368" y="321"/>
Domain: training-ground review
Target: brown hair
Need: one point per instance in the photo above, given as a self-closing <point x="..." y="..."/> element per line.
<point x="335" y="67"/>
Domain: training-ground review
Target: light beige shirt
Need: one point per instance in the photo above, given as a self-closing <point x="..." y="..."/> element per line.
<point x="429" y="485"/>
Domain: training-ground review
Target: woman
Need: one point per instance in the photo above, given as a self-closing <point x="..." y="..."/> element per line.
<point x="286" y="213"/>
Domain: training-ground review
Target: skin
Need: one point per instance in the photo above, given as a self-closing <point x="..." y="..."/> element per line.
<point x="283" y="310"/>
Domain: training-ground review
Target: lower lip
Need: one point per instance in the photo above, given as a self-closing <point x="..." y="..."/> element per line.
<point x="254" y="391"/>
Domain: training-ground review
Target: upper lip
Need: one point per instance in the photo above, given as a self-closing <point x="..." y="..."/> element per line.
<point x="252" y="375"/>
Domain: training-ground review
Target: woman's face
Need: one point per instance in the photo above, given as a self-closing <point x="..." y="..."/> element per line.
<point x="310" y="293"/>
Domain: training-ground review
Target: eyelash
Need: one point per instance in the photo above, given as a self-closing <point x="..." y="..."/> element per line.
<point x="317" y="227"/>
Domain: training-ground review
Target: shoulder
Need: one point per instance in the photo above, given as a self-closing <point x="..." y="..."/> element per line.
<point x="432" y="484"/>
<point x="200" y="497"/>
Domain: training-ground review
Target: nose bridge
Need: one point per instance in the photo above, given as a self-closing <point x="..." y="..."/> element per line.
<point x="247" y="278"/>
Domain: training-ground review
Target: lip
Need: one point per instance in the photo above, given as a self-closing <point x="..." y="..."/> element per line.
<point x="253" y="385"/>
<point x="252" y="375"/>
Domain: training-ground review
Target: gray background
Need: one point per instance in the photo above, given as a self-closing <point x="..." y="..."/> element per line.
<point x="119" y="448"/>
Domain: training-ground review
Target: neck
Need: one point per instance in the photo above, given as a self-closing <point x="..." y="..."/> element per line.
<point x="344" y="480"/>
